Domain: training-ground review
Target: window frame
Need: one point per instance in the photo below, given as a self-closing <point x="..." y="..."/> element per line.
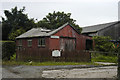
<point x="19" y="42"/>
<point x="42" y="42"/>
<point x="19" y="47"/>
<point x="28" y="43"/>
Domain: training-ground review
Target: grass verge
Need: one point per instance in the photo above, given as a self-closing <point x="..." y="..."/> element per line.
<point x="46" y="63"/>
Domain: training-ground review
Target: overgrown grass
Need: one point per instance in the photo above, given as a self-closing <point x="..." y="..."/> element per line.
<point x="102" y="58"/>
<point x="46" y="63"/>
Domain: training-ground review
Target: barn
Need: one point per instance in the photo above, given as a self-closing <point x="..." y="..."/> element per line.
<point x="111" y="29"/>
<point x="61" y="44"/>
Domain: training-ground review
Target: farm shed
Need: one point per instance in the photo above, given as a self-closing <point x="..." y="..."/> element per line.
<point x="62" y="44"/>
<point x="111" y="29"/>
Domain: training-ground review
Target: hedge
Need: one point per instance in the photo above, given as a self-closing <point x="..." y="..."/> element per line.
<point x="8" y="49"/>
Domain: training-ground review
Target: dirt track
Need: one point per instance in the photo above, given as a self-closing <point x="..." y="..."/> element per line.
<point x="97" y="72"/>
<point x="56" y="72"/>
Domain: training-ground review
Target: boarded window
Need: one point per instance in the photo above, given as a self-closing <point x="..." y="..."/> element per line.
<point x="29" y="43"/>
<point x="41" y="42"/>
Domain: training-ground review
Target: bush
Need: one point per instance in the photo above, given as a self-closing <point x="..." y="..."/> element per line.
<point x="97" y="57"/>
<point x="8" y="49"/>
<point x="103" y="44"/>
<point x="13" y="57"/>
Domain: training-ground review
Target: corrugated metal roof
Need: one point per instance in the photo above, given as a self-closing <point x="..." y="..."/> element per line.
<point x="37" y="32"/>
<point x="96" y="28"/>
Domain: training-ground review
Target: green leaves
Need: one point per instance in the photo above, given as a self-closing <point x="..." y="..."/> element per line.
<point x="102" y="43"/>
<point x="57" y="19"/>
<point x="16" y="33"/>
<point x="15" y="20"/>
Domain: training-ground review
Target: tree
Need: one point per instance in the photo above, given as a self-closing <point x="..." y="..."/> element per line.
<point x="102" y="43"/>
<point x="15" y="19"/>
<point x="16" y="33"/>
<point x="57" y="19"/>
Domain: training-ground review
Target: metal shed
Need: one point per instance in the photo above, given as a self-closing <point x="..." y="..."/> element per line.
<point x="62" y="44"/>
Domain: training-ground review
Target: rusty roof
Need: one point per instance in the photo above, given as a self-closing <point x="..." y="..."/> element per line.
<point x="37" y="32"/>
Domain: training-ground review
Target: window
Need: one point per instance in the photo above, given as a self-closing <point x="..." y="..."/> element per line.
<point x="20" y="45"/>
<point x="19" y="48"/>
<point x="29" y="43"/>
<point x="41" y="42"/>
<point x="19" y="42"/>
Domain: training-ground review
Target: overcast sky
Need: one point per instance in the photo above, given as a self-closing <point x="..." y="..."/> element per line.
<point x="85" y="12"/>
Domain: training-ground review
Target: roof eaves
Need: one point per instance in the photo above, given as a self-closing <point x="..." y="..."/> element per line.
<point x="110" y="25"/>
<point x="89" y="32"/>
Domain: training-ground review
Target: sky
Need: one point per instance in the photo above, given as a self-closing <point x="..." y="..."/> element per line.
<point x="85" y="12"/>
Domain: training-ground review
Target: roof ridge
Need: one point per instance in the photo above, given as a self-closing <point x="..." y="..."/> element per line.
<point x="100" y="24"/>
<point x="98" y="27"/>
<point x="37" y="33"/>
<point x="59" y="28"/>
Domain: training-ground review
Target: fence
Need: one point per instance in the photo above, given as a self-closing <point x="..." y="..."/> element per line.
<point x="46" y="55"/>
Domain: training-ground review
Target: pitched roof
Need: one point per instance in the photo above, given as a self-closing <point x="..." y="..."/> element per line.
<point x="37" y="32"/>
<point x="98" y="27"/>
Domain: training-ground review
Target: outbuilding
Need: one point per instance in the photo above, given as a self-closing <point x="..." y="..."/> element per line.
<point x="111" y="29"/>
<point x="62" y="44"/>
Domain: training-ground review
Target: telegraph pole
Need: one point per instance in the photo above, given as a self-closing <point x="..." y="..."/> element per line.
<point x="118" y="73"/>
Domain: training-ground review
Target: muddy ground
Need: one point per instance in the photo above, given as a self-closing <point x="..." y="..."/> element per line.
<point x="78" y="71"/>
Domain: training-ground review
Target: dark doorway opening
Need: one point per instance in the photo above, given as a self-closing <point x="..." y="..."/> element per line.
<point x="89" y="44"/>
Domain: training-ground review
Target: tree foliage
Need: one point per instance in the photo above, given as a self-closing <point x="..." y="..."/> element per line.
<point x="15" y="19"/>
<point x="16" y="33"/>
<point x="17" y="22"/>
<point x="57" y="19"/>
